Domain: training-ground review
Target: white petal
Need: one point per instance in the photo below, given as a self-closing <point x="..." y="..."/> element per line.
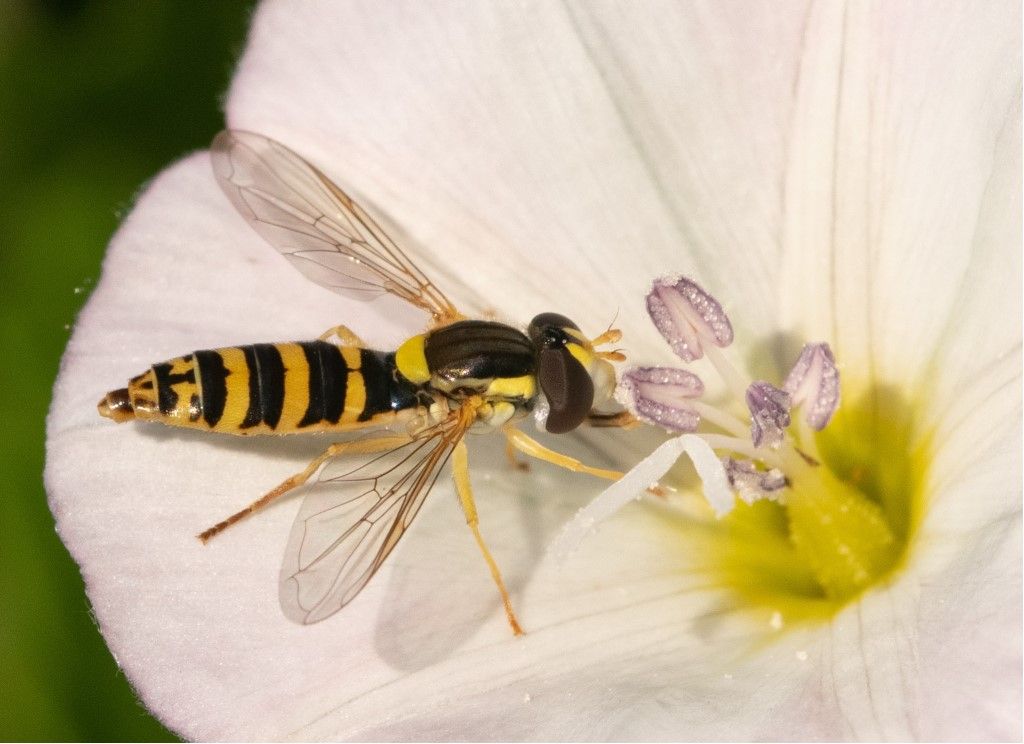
<point x="902" y="152"/>
<point x="969" y="620"/>
<point x="976" y="369"/>
<point x="613" y="143"/>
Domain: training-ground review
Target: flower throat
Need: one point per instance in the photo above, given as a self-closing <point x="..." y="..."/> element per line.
<point x="814" y="502"/>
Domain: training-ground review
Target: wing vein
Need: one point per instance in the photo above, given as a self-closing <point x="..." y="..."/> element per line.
<point x="324" y="233"/>
<point x="349" y="523"/>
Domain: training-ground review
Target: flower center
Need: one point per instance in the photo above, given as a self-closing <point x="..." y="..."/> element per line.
<point x="840" y="527"/>
<point x="812" y="503"/>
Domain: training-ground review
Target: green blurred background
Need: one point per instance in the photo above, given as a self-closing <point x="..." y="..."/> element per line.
<point x="95" y="98"/>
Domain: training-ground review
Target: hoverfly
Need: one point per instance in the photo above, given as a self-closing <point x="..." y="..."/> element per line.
<point x="421" y="398"/>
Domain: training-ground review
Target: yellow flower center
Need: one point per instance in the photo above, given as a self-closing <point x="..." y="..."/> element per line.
<point x="844" y="524"/>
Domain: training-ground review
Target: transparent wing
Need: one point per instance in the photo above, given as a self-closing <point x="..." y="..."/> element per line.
<point x="316" y="225"/>
<point x="350" y="521"/>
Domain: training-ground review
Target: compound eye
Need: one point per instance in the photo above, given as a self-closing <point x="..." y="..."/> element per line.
<point x="568" y="388"/>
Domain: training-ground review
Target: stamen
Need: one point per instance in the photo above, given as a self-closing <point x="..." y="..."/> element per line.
<point x="814" y="380"/>
<point x="769" y="413"/>
<point x="743" y="446"/>
<point x="830" y="534"/>
<point x="752" y="484"/>
<point x="658" y="395"/>
<point x="721" y="418"/>
<point x="736" y="382"/>
<point x="686" y="315"/>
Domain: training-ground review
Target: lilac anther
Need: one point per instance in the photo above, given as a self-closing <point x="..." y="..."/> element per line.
<point x="658" y="395"/>
<point x="769" y="413"/>
<point x="814" y="383"/>
<point x="687" y="316"/>
<point x="750" y="482"/>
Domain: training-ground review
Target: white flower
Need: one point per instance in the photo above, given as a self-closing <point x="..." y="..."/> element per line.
<point x="847" y="173"/>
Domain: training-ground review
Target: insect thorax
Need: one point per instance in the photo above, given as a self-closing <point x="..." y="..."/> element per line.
<point x="472" y="358"/>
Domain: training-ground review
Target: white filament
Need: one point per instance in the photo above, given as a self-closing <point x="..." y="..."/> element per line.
<point x="633" y="484"/>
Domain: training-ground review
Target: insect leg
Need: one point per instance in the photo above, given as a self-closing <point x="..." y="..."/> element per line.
<point x="364" y="446"/>
<point x="344" y="334"/>
<point x="460" y="474"/>
<point x="533" y="448"/>
<point x="622" y="420"/>
<point x="513" y="458"/>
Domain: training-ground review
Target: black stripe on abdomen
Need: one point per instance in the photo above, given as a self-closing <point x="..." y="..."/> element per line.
<point x="266" y="385"/>
<point x="167" y="398"/>
<point x="386" y="390"/>
<point x="212" y="383"/>
<point x="376" y="368"/>
<point x="328" y="382"/>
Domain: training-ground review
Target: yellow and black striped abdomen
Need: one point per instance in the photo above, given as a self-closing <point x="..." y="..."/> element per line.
<point x="267" y="389"/>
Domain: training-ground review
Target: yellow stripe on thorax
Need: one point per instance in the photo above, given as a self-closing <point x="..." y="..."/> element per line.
<point x="411" y="360"/>
<point x="524" y="387"/>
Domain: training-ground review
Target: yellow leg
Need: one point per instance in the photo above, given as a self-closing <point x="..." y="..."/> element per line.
<point x="460" y="474"/>
<point x="344" y="334"/>
<point x="533" y="448"/>
<point x="365" y="446"/>
<point x="513" y="458"/>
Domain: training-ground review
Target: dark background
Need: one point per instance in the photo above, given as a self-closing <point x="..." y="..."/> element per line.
<point x="95" y="99"/>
